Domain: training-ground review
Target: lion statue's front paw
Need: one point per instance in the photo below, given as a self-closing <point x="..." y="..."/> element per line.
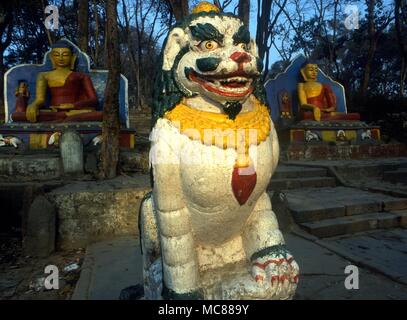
<point x="275" y="267"/>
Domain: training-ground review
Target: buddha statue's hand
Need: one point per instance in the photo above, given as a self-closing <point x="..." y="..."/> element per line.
<point x="329" y="110"/>
<point x="64" y="106"/>
<point x="317" y="114"/>
<point x="32" y="112"/>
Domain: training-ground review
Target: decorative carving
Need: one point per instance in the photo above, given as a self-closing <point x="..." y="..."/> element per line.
<point x="317" y="100"/>
<point x="341" y="135"/>
<point x="9" y="141"/>
<point x="72" y="95"/>
<point x="311" y="136"/>
<point x="214" y="148"/>
<point x="366" y="135"/>
<point x="22" y="95"/>
<point x="284" y="99"/>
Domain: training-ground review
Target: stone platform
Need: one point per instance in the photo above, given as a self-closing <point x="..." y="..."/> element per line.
<point x="113" y="265"/>
<point x="98" y="210"/>
<point x="383" y="251"/>
<point x="20" y="166"/>
<point x="74" y="213"/>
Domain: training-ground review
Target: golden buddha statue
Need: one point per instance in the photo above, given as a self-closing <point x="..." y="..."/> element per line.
<point x="73" y="97"/>
<point x="317" y="101"/>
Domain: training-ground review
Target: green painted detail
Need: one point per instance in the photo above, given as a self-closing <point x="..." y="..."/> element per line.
<point x="277" y="250"/>
<point x="232" y="109"/>
<point x="206" y="31"/>
<point x="167" y="94"/>
<point x="146" y="197"/>
<point x="241" y="36"/>
<point x="208" y="64"/>
<point x="259" y="64"/>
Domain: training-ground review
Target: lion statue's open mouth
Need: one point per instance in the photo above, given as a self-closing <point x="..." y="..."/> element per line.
<point x="236" y="84"/>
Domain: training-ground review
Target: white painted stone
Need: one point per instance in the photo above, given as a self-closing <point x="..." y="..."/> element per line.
<point x="71" y="150"/>
<point x="193" y="221"/>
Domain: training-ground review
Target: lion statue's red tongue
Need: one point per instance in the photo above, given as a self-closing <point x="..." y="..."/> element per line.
<point x="234" y="85"/>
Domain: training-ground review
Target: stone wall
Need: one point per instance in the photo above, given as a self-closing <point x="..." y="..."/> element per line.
<point x="97" y="210"/>
<point x="30" y="167"/>
<point x="45" y="167"/>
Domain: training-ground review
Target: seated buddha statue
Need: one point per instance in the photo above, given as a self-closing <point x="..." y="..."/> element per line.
<point x="72" y="95"/>
<point x="317" y="101"/>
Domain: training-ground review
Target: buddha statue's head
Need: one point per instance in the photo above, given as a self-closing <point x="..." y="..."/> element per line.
<point x="62" y="55"/>
<point x="309" y="72"/>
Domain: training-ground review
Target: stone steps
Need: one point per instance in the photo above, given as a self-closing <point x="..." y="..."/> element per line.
<point x="297" y="183"/>
<point x="396" y="176"/>
<point x="336" y="211"/>
<point x="286" y="172"/>
<point x="295" y="177"/>
<point x="348" y="207"/>
<point x="357" y="223"/>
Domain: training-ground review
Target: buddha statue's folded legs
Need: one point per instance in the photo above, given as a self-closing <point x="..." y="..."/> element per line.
<point x="309" y="115"/>
<point x="60" y="116"/>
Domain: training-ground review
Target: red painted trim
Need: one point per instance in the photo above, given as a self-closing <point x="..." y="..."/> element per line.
<point x="124" y="140"/>
<point x="277" y="262"/>
<point x="259" y="278"/>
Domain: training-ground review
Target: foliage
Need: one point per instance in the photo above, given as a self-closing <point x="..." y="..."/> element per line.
<point x="315" y="28"/>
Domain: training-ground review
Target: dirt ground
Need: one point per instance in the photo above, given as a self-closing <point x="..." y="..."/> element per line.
<point x="22" y="277"/>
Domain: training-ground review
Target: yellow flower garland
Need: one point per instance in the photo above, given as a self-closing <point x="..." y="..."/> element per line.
<point x="248" y="128"/>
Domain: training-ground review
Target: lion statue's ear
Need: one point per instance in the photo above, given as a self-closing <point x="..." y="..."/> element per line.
<point x="177" y="39"/>
<point x="166" y="92"/>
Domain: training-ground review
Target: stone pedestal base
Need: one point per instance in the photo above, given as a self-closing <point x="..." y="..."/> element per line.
<point x="333" y="131"/>
<point x="310" y="151"/>
<point x="47" y="135"/>
<point x="336" y="140"/>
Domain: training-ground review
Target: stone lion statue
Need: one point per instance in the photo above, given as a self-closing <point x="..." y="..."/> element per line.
<point x="207" y="229"/>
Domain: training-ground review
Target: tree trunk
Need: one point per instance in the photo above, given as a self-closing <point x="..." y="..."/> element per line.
<point x="111" y="124"/>
<point x="402" y="45"/>
<point x="96" y="14"/>
<point x="83" y="10"/>
<point x="6" y="28"/>
<point x="179" y="8"/>
<point x="263" y="18"/>
<point x="2" y="97"/>
<point x="372" y="48"/>
<point x="244" y="11"/>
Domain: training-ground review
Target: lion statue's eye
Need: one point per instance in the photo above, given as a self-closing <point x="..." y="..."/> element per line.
<point x="208" y="45"/>
<point x="242" y="46"/>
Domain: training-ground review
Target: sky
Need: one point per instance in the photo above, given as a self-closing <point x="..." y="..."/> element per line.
<point x="274" y="56"/>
